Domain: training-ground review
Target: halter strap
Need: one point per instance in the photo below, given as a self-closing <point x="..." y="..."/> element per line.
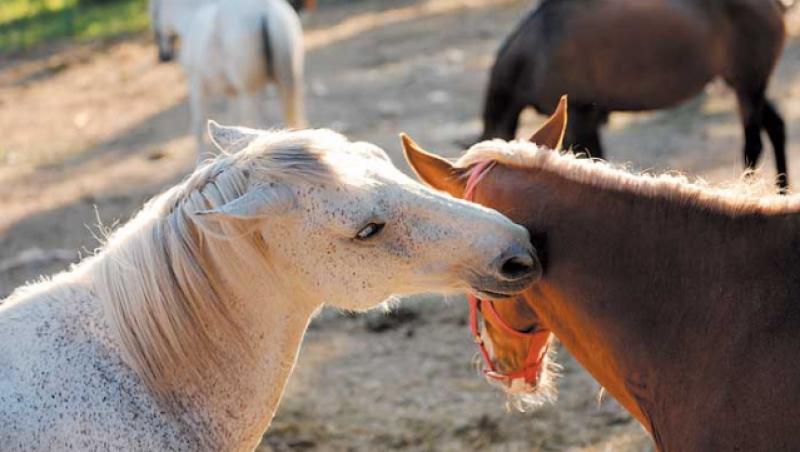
<point x="476" y="174"/>
<point x="538" y="346"/>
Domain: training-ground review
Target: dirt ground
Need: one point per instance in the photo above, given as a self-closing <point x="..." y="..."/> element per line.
<point x="89" y="132"/>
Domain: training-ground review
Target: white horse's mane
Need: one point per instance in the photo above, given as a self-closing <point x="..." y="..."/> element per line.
<point x="741" y="197"/>
<point x="165" y="300"/>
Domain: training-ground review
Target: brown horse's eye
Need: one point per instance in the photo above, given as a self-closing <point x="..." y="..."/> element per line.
<point x="370" y="231"/>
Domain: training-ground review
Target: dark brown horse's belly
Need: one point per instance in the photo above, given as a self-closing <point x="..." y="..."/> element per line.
<point x="641" y="55"/>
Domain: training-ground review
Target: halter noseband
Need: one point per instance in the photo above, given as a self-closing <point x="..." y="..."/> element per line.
<point x="538" y="337"/>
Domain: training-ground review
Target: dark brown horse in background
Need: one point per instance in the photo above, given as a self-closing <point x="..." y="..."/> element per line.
<point x="682" y="301"/>
<point x="633" y="55"/>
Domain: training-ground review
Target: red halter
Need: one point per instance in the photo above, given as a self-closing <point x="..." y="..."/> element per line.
<point x="539" y="338"/>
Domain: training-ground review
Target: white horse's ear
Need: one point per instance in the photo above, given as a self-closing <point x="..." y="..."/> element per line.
<point x="247" y="212"/>
<point x="231" y="139"/>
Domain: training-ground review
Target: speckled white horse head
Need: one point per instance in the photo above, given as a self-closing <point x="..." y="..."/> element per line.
<point x="352" y="230"/>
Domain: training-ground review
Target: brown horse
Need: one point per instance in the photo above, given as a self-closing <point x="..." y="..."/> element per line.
<point x="633" y="55"/>
<point x="683" y="301"/>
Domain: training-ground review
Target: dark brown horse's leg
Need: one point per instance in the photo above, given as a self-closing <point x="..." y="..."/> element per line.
<point x="583" y="129"/>
<point x="776" y="130"/>
<point x="501" y="119"/>
<point x="503" y="103"/>
<point x="751" y="109"/>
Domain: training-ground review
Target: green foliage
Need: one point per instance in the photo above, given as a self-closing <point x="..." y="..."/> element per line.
<point x="25" y="23"/>
<point x="97" y="2"/>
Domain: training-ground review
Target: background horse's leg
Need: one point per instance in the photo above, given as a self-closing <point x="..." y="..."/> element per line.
<point x="501" y="112"/>
<point x="198" y="104"/>
<point x="290" y="90"/>
<point x="751" y="110"/>
<point x="292" y="102"/>
<point x="288" y="69"/>
<point x="262" y="98"/>
<point x="505" y="124"/>
<point x="756" y="38"/>
<point x="248" y="108"/>
<point x="285" y="65"/>
<point x="583" y="129"/>
<point x="776" y="130"/>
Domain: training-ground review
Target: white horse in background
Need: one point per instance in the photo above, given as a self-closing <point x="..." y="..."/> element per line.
<point x="180" y="333"/>
<point x="234" y="48"/>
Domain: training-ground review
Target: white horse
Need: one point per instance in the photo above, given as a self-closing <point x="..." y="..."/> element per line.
<point x="180" y="333"/>
<point x="234" y="48"/>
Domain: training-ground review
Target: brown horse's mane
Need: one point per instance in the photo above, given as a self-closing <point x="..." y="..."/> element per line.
<point x="744" y="197"/>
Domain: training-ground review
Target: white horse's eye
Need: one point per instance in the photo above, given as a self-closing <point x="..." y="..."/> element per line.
<point x="369" y="231"/>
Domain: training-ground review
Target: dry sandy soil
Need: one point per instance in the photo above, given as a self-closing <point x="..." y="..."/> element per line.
<point x="89" y="132"/>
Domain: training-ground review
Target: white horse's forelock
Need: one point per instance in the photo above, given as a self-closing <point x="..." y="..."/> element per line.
<point x="169" y="313"/>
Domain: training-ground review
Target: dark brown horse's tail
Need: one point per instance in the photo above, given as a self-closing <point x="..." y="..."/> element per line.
<point x="265" y="39"/>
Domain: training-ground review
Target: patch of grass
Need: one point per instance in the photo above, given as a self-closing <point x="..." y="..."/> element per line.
<point x="26" y="23"/>
<point x="17" y="9"/>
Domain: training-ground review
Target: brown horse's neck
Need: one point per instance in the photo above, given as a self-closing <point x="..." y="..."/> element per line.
<point x="660" y="299"/>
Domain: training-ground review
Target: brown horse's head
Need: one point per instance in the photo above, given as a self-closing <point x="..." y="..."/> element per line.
<point x="514" y="341"/>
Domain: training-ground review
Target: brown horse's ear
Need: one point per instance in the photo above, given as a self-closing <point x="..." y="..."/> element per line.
<point x="551" y="134"/>
<point x="432" y="169"/>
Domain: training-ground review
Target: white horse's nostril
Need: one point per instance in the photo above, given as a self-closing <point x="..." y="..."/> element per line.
<point x="517" y="263"/>
<point x="517" y="266"/>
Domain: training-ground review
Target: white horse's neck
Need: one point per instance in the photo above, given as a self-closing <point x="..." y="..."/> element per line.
<point x="231" y="401"/>
<point x="231" y="406"/>
<point x="240" y="403"/>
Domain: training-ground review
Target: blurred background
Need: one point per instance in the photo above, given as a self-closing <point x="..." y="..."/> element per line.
<point x="91" y="125"/>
